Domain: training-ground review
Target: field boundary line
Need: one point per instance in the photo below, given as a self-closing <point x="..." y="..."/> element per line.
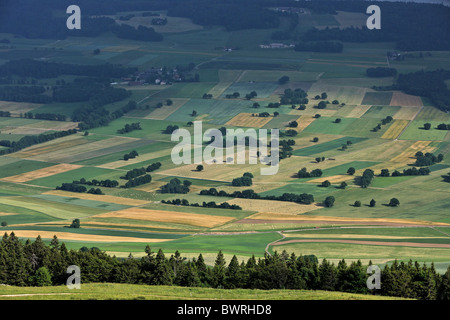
<point x="404" y="129"/>
<point x="273" y="242"/>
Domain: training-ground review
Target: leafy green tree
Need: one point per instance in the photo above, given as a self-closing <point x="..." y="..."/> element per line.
<point x="343" y="185"/>
<point x="326" y="184"/>
<point x="351" y="171"/>
<point x="42" y="277"/>
<point x="75" y="224"/>
<point x="357" y="203"/>
<point x="328" y="276"/>
<point x="4" y="224"/>
<point x="315" y="139"/>
<point x="427" y="126"/>
<point x="394" y="202"/>
<point x="372" y="203"/>
<point x="200" y="167"/>
<point x="329" y="201"/>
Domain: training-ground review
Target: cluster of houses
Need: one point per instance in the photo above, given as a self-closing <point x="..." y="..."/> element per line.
<point x="276" y="46"/>
<point x="158" y="76"/>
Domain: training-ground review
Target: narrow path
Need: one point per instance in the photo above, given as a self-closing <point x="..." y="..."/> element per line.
<point x="273" y="242"/>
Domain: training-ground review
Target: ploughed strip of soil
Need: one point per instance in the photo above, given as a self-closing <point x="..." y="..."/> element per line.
<point x="376" y="243"/>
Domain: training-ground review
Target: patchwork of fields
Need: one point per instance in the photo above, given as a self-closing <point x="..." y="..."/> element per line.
<point x="342" y="136"/>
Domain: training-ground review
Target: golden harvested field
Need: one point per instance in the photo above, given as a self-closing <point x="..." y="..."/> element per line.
<point x="352" y="111"/>
<point x="52" y="125"/>
<point x="303" y="122"/>
<point x="247" y="120"/>
<point x="405" y="100"/>
<point x="273" y="206"/>
<point x="41" y="173"/>
<point x="32" y="234"/>
<point x="123" y="226"/>
<point x="407" y="156"/>
<point x="97" y="197"/>
<point x="165" y="111"/>
<point x="201" y="220"/>
<point x="395" y="129"/>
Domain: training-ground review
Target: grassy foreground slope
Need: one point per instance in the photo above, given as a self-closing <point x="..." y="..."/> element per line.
<point x="106" y="291"/>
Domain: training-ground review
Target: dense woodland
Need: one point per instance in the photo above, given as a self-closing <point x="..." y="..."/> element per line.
<point x="412" y="26"/>
<point x="34" y="263"/>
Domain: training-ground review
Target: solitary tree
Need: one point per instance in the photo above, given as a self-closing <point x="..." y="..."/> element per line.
<point x="357" y="203"/>
<point x="394" y="202"/>
<point x="4" y="224"/>
<point x="329" y="201"/>
<point x="351" y="171"/>
<point x="315" y="139"/>
<point x="343" y="185"/>
<point x="372" y="203"/>
<point x="427" y="126"/>
<point x="194" y="113"/>
<point x="200" y="167"/>
<point x="326" y="183"/>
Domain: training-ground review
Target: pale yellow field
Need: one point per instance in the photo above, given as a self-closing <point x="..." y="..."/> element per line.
<point x="358" y="111"/>
<point x="407" y="156"/>
<point x="405" y="100"/>
<point x="165" y="111"/>
<point x="219" y="88"/>
<point x="247" y="120"/>
<point x="141" y="158"/>
<point x="30" y="234"/>
<point x="123" y="226"/>
<point x="97" y="197"/>
<point x="333" y="179"/>
<point x="52" y="125"/>
<point x="16" y="108"/>
<point x="303" y="122"/>
<point x="67" y="154"/>
<point x="201" y="220"/>
<point x="6" y="214"/>
<point x="51" y="146"/>
<point x="350" y="236"/>
<point x="407" y="113"/>
<point x="273" y="206"/>
<point x="41" y="173"/>
<point x="395" y="129"/>
<point x="310" y="111"/>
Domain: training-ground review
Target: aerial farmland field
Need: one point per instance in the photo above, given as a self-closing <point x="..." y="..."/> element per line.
<point x="63" y="158"/>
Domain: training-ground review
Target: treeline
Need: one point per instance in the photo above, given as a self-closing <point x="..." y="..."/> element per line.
<point x="34" y="263"/>
<point x="45" y="116"/>
<point x="320" y="46"/>
<point x="303" y="198"/>
<point x="33" y="94"/>
<point x="130" y="127"/>
<point x="175" y="186"/>
<point x="427" y="159"/>
<point x="211" y="204"/>
<point x="93" y="115"/>
<point x="381" y="72"/>
<point x="38" y="69"/>
<point x="28" y="141"/>
<point x="303" y="173"/>
<point x="5" y="114"/>
<point x="430" y="84"/>
<point x="131" y="155"/>
<point x="74" y="187"/>
<point x="138" y="181"/>
<point x="108" y="183"/>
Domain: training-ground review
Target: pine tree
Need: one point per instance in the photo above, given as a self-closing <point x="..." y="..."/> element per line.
<point x="219" y="271"/>
<point x="233" y="274"/>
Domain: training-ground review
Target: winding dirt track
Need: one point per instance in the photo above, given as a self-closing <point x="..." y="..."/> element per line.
<point x="376" y="243"/>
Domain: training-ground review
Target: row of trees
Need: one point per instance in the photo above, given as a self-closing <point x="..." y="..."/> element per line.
<point x="303" y="173"/>
<point x="75" y="187"/>
<point x="138" y="181"/>
<point x="244" y="181"/>
<point x="108" y="183"/>
<point x="176" y="186"/>
<point x="303" y="198"/>
<point x="27" y="141"/>
<point x="130" y="127"/>
<point x="211" y="204"/>
<point x="427" y="159"/>
<point x="34" y="263"/>
<point x="366" y="178"/>
<point x="130" y="155"/>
